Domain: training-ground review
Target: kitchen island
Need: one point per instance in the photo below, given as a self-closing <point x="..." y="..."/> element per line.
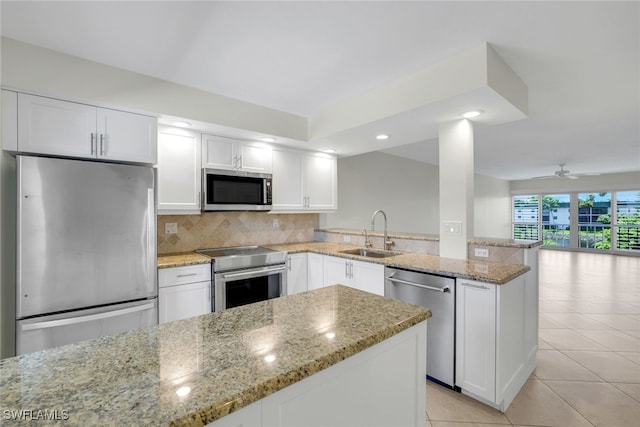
<point x="238" y="362"/>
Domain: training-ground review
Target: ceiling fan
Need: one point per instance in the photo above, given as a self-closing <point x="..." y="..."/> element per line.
<point x="564" y="173"/>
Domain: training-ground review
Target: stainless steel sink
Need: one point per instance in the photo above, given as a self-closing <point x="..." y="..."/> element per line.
<point x="370" y="253"/>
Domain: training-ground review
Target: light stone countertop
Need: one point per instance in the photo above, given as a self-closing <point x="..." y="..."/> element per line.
<point x="484" y="271"/>
<point x="132" y="378"/>
<point x="181" y="259"/>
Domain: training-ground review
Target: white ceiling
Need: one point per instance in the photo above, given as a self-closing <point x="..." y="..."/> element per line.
<point x="580" y="61"/>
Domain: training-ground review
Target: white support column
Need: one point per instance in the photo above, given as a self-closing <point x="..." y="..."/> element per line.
<point x="456" y="188"/>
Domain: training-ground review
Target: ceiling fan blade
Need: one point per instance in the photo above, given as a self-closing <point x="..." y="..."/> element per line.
<point x="545" y="177"/>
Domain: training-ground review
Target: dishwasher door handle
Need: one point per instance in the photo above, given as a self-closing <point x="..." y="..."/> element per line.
<point x="419" y="285"/>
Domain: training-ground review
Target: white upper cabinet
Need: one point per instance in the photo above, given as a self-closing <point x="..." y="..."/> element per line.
<point x="126" y="136"/>
<point x="52" y="126"/>
<point x="179" y="177"/>
<point x="288" y="194"/>
<point x="232" y="154"/>
<point x="304" y="181"/>
<point x="320" y="182"/>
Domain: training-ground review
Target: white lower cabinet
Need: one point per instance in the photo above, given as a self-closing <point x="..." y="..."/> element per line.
<point x="356" y="392"/>
<point x="184" y="292"/>
<point x="315" y="271"/>
<point x="366" y="276"/>
<point x="476" y="338"/>
<point x="494" y="358"/>
<point x="296" y="273"/>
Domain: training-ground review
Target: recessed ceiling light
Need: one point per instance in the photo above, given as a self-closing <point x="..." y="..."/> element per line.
<point x="268" y="139"/>
<point x="182" y="124"/>
<point x="472" y="114"/>
<point x="382" y="137"/>
<point x="328" y="150"/>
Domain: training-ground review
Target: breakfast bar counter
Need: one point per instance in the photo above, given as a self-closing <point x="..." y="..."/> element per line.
<point x="198" y="370"/>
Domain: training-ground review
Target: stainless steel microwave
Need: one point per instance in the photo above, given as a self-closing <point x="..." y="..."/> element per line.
<point x="227" y="190"/>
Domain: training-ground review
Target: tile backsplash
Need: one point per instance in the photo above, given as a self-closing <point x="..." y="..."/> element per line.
<point x="219" y="229"/>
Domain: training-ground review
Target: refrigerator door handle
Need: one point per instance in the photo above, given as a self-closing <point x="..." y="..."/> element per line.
<point x="88" y="318"/>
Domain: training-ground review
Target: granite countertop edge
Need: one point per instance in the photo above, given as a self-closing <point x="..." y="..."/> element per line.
<point x="486" y="271"/>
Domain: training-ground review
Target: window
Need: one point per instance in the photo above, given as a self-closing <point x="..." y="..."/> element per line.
<point x="599" y="221"/>
<point x="594" y="220"/>
<point x="627" y="221"/>
<point x="525" y="207"/>
<point x="556" y="226"/>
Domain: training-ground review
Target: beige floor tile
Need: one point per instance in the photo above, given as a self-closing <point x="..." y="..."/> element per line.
<point x="608" y="365"/>
<point x="632" y="390"/>
<point x="447" y="405"/>
<point x="604" y="307"/>
<point x="613" y="340"/>
<point x="538" y="405"/>
<point x="617" y="321"/>
<point x="554" y="365"/>
<point x="545" y="323"/>
<point x="546" y="306"/>
<point x="635" y="334"/>
<point x="566" y="339"/>
<point x="576" y="321"/>
<point x="601" y="403"/>
<point x="454" y="424"/>
<point x="634" y="357"/>
<point x="543" y="345"/>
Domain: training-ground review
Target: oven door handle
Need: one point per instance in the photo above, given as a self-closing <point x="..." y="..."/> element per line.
<point x="254" y="272"/>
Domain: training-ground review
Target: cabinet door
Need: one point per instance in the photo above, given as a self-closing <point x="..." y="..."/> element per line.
<point x="296" y="273"/>
<point x="254" y="157"/>
<point x="315" y="271"/>
<point x="50" y="126"/>
<point x="337" y="271"/>
<point x="219" y="152"/>
<point x="287" y="180"/>
<point x="179" y="176"/>
<point x="320" y="182"/>
<point x="184" y="301"/>
<point x="368" y="276"/>
<point x="476" y="338"/>
<point x="127" y="136"/>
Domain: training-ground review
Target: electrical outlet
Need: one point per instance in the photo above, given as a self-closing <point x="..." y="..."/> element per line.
<point x="346" y="238"/>
<point x="171" y="228"/>
<point x="276" y="223"/>
<point x="481" y="252"/>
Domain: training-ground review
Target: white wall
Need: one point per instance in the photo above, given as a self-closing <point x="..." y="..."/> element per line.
<point x="407" y="190"/>
<point x="609" y="182"/>
<point x="47" y="72"/>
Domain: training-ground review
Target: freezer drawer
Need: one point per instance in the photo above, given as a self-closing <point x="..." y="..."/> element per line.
<point x="44" y="332"/>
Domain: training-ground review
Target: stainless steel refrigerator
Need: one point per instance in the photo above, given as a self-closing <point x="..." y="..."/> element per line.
<point x="86" y="251"/>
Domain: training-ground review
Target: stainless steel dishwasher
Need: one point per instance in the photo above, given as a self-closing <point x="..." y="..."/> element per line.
<point x="438" y="294"/>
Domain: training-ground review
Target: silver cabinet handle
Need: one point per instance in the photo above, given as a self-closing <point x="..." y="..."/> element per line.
<point x="471" y="285"/>
<point x="102" y="144"/>
<point x="346" y="270"/>
<point x="93" y="139"/>
<point x="289" y="263"/>
<point x="239" y="162"/>
<point x="350" y="270"/>
<point x="419" y="285"/>
<point x="187" y="275"/>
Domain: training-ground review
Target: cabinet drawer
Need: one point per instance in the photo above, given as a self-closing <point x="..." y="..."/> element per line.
<point x="187" y="274"/>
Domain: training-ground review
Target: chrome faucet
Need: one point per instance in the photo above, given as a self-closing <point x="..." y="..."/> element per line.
<point x="367" y="242"/>
<point x="386" y="245"/>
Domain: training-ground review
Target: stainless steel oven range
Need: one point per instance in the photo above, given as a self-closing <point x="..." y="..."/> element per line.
<point x="246" y="274"/>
